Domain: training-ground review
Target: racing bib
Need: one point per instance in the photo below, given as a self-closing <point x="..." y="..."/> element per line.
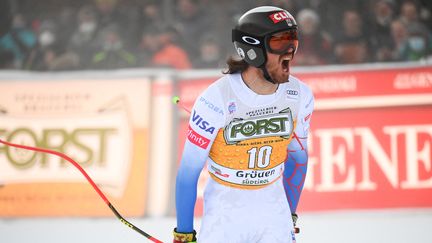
<point x="249" y="153"/>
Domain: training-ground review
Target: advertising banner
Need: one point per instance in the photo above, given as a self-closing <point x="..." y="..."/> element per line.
<point x="101" y="124"/>
<point x="371" y="137"/>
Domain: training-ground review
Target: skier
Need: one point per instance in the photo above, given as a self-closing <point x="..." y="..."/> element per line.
<point x="251" y="128"/>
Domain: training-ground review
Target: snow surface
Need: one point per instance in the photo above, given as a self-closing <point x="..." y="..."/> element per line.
<point x="381" y="226"/>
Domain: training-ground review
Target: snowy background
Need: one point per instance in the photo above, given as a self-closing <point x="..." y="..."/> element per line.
<point x="396" y="226"/>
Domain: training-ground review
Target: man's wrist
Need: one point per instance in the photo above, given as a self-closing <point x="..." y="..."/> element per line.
<point x="181" y="237"/>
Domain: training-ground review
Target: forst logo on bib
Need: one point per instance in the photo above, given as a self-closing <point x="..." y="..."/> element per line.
<point x="280" y="124"/>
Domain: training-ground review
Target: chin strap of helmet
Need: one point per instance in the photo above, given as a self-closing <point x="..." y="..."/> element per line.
<point x="266" y="74"/>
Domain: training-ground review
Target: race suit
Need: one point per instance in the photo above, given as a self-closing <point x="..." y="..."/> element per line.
<point x="256" y="154"/>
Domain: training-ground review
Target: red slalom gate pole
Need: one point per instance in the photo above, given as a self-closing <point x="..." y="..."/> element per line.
<point x="90" y="180"/>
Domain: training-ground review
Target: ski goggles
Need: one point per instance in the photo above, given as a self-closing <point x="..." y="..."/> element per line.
<point x="282" y="42"/>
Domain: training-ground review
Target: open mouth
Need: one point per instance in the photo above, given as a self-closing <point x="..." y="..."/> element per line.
<point x="285" y="65"/>
<point x="285" y="60"/>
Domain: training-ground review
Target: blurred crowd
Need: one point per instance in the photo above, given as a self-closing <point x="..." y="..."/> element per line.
<point x="50" y="35"/>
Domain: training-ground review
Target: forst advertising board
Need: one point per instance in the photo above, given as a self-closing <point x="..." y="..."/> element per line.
<point x="100" y="124"/>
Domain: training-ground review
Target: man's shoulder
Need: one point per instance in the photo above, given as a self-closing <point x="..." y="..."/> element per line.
<point x="221" y="82"/>
<point x="303" y="87"/>
<point x="214" y="90"/>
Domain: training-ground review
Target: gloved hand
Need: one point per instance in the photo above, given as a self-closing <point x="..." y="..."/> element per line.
<point x="294" y="219"/>
<point x="180" y="237"/>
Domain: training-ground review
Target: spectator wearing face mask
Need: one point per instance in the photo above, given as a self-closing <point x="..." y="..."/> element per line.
<point x="50" y="54"/>
<point x="418" y="46"/>
<point x="19" y="41"/>
<point x="83" y="40"/>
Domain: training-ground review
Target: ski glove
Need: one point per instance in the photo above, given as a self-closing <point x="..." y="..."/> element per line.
<point x="180" y="237"/>
<point x="294" y="219"/>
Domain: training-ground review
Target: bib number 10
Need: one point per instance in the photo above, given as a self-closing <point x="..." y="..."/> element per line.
<point x="259" y="157"/>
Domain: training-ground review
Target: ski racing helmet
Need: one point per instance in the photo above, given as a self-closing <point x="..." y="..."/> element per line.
<point x="253" y="35"/>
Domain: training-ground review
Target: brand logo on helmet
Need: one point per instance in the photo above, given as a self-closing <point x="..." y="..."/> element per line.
<point x="250" y="40"/>
<point x="280" y="16"/>
<point x="241" y="52"/>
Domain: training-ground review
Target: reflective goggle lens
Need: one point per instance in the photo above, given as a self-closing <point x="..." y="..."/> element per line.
<point x="282" y="42"/>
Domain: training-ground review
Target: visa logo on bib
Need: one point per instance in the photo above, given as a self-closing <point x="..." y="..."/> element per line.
<point x="201" y="123"/>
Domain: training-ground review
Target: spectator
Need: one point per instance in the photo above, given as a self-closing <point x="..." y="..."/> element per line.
<point x="111" y="12"/>
<point x="50" y="54"/>
<point x="209" y="53"/>
<point x="417" y="47"/>
<point x="352" y="45"/>
<point x="409" y="16"/>
<point x="380" y="30"/>
<point x="419" y="42"/>
<point x="83" y="40"/>
<point x="316" y="45"/>
<point x="159" y="49"/>
<point x="192" y="22"/>
<point x="425" y="13"/>
<point x="399" y="36"/>
<point x="107" y="12"/>
<point x="20" y="40"/>
<point x="151" y="15"/>
<point x="147" y="47"/>
<point x="112" y="53"/>
<point x="331" y="13"/>
<point x="171" y="54"/>
<point x="66" y="23"/>
<point x="376" y="37"/>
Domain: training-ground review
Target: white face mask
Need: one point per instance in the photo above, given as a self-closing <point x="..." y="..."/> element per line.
<point x="417" y="43"/>
<point x="46" y="38"/>
<point x="87" y="27"/>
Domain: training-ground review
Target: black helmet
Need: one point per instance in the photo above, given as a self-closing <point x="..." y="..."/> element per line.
<point x="251" y="35"/>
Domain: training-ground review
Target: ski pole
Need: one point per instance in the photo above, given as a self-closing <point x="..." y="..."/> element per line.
<point x="90" y="180"/>
<point x="176" y="100"/>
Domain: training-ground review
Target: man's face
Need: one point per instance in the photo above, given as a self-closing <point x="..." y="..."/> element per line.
<point x="278" y="66"/>
<point x="279" y="60"/>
